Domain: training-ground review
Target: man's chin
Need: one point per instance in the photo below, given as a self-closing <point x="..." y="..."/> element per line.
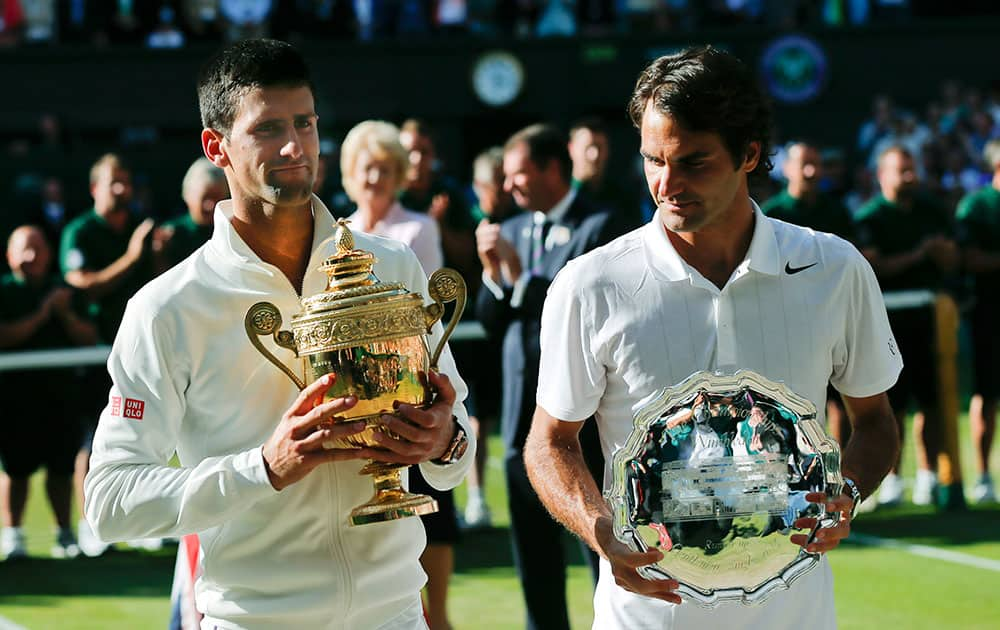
<point x="286" y="195"/>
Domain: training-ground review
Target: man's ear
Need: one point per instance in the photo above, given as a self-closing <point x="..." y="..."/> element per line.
<point x="212" y="145"/>
<point x="752" y="157"/>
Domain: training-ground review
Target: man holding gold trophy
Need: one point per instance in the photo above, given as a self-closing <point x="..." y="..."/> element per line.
<point x="272" y="453"/>
<point x="703" y="344"/>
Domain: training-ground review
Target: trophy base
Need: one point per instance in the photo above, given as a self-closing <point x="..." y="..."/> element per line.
<point x="391" y="502"/>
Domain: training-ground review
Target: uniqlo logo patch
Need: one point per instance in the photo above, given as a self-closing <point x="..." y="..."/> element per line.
<point x="134" y="408"/>
<point x="116" y="405"/>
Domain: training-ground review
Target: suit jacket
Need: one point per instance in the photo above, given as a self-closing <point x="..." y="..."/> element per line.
<point x="582" y="228"/>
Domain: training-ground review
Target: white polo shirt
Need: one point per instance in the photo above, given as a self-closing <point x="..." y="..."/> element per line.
<point x="630" y="318"/>
<point x="186" y="378"/>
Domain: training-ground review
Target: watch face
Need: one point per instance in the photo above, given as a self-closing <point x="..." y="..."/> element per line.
<point x="497" y="78"/>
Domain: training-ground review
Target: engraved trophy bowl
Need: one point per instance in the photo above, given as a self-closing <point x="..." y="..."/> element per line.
<point x="372" y="336"/>
<point x="714" y="474"/>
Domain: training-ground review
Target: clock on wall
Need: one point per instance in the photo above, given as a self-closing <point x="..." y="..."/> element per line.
<point x="497" y="78"/>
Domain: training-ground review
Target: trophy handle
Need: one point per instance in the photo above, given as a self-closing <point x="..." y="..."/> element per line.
<point x="264" y="318"/>
<point x="444" y="285"/>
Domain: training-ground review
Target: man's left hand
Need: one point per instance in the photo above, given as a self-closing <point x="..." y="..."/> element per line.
<point x="827" y="538"/>
<point x="413" y="435"/>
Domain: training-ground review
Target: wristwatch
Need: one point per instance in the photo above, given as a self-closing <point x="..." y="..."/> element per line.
<point x="456" y="448"/>
<point x="852" y="488"/>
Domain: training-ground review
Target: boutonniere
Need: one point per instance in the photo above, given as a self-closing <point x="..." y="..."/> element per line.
<point x="558" y="235"/>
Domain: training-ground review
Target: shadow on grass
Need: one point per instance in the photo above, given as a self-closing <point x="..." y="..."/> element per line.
<point x="925" y="524"/>
<point x="490" y="548"/>
<point x="117" y="573"/>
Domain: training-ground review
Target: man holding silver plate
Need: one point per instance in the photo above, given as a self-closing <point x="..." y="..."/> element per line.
<point x="703" y="344"/>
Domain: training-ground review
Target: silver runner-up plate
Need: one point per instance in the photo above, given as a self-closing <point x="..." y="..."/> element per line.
<point x="714" y="475"/>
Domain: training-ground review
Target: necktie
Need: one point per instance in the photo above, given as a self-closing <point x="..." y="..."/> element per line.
<point x="538" y="233"/>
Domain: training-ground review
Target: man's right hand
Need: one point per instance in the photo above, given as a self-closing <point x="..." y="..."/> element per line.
<point x="137" y="242"/>
<point x="624" y="563"/>
<point x="296" y="446"/>
<point x="496" y="253"/>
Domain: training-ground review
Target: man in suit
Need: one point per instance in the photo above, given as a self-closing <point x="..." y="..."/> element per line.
<point x="520" y="257"/>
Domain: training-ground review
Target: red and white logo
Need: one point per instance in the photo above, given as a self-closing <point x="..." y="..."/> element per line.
<point x="134" y="408"/>
<point x="116" y="405"/>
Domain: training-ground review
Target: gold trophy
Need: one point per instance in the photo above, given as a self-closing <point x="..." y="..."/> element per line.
<point x="371" y="335"/>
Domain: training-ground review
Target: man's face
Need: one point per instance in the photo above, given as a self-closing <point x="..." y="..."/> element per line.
<point x="112" y="190"/>
<point x="28" y="255"/>
<point x="529" y="184"/>
<point x="273" y="146"/>
<point x="803" y="168"/>
<point x="589" y="152"/>
<point x="202" y="199"/>
<point x="690" y="174"/>
<point x="897" y="175"/>
<point x="375" y="180"/>
<point x="494" y="201"/>
<point x="420" y="149"/>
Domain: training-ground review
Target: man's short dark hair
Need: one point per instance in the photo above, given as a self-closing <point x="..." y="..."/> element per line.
<point x="545" y="143"/>
<point x="593" y="124"/>
<point x="706" y="89"/>
<point x="241" y="67"/>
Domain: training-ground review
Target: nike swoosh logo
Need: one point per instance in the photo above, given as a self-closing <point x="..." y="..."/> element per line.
<point x="790" y="270"/>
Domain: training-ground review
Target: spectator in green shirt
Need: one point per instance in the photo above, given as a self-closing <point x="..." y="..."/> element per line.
<point x="39" y="428"/>
<point x="978" y="228"/>
<point x="802" y="202"/>
<point x="105" y="252"/>
<point x="203" y="187"/>
<point x="590" y="149"/>
<point x="906" y="236"/>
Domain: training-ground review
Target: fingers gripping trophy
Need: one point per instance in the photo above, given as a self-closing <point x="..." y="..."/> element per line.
<point x="372" y="336"/>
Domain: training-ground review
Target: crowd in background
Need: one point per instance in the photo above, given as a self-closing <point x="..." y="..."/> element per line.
<point x="391" y="181"/>
<point x="175" y="23"/>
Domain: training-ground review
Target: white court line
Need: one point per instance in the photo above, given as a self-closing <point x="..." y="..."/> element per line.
<point x="7" y="624"/>
<point x="926" y="551"/>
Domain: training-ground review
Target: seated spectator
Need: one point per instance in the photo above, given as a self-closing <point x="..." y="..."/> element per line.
<point x="39" y="429"/>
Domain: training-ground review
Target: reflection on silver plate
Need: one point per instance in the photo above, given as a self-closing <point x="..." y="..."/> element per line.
<point x="714" y="475"/>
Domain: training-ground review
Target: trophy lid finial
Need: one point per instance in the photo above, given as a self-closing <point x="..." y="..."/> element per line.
<point x="343" y="237"/>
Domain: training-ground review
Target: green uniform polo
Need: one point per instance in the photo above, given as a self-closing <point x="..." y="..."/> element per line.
<point x="824" y="214"/>
<point x="188" y="236"/>
<point x="90" y="243"/>
<point x="892" y="230"/>
<point x="978" y="224"/>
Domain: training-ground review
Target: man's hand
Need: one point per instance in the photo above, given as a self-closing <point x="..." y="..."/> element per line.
<point x="296" y="446"/>
<point x="624" y="563"/>
<point x="943" y="251"/>
<point x="827" y="538"/>
<point x="496" y="253"/>
<point x="137" y="242"/>
<point x="413" y="435"/>
<point x="58" y="300"/>
<point x="161" y="239"/>
<point x="439" y="206"/>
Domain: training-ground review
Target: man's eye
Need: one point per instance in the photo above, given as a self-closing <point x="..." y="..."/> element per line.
<point x="304" y="124"/>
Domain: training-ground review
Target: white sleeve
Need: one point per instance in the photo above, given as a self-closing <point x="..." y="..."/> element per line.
<point x="131" y="490"/>
<point x="443" y="477"/>
<point x="571" y="376"/>
<point x="868" y="361"/>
